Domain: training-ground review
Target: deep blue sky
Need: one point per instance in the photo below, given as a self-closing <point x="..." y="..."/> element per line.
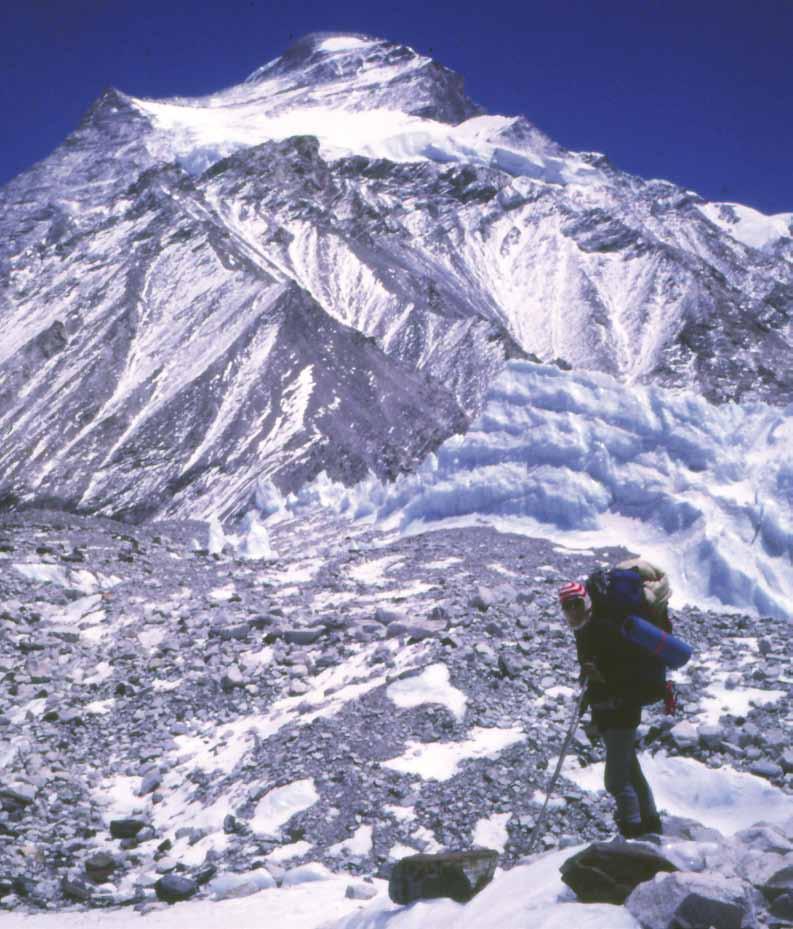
<point x="699" y="92"/>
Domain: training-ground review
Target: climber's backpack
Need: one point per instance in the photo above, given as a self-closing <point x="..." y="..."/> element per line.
<point x="617" y="593"/>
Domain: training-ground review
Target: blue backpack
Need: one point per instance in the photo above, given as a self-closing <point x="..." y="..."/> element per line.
<point x="617" y="593"/>
<point x="618" y="597"/>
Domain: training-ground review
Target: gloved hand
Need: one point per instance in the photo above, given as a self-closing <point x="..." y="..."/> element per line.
<point x="591" y="673"/>
<point x="670" y="700"/>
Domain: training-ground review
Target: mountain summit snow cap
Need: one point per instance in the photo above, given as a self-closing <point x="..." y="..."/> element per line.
<point x="309" y="49"/>
<point x="357" y="72"/>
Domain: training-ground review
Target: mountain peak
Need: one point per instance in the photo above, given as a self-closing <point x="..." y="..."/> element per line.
<point x="363" y="71"/>
<point x="319" y="48"/>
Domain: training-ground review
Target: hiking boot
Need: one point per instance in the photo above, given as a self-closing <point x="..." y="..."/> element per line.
<point x="652" y="824"/>
<point x="630" y="830"/>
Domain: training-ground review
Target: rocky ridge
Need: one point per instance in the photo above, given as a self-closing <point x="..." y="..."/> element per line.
<point x="186" y="320"/>
<point x="160" y="700"/>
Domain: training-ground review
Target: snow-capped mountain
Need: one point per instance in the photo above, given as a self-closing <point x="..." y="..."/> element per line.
<point x="324" y="267"/>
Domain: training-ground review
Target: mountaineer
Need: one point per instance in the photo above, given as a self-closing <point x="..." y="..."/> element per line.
<point x="624" y="642"/>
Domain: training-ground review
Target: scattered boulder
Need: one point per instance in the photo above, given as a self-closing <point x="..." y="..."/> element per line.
<point x="172" y="888"/>
<point x="303" y="636"/>
<point x="483" y="599"/>
<point x="680" y="827"/>
<point x="304" y="874"/>
<point x="17" y="795"/>
<point x="100" y="866"/>
<point x="782" y="908"/>
<point x="458" y="875"/>
<point x="689" y="900"/>
<point x="76" y="890"/>
<point x="684" y="735"/>
<point x="149" y="783"/>
<point x="711" y="736"/>
<point x="360" y="891"/>
<point x="232" y="678"/>
<point x="229" y="885"/>
<point x="607" y="872"/>
<point x="126" y="828"/>
<point x="386" y="617"/>
<point x="765" y="838"/>
<point x="780" y="883"/>
<point x="417" y="629"/>
<point x="765" y="768"/>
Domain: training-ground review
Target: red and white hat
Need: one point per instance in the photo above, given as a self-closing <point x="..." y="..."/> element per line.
<point x="572" y="591"/>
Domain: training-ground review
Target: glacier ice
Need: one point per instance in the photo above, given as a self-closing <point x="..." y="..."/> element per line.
<point x="706" y="491"/>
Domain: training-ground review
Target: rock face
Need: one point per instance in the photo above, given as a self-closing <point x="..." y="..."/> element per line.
<point x="191" y="315"/>
<point x="458" y="875"/>
<point x="607" y="872"/>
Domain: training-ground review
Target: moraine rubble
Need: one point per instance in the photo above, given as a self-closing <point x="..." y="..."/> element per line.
<point x="215" y="724"/>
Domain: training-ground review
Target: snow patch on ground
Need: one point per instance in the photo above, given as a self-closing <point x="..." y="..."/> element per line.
<point x="279" y="805"/>
<point x="372" y="572"/>
<point x="719" y="700"/>
<point x="431" y="686"/>
<point x="357" y="846"/>
<point x="440" y="760"/>
<point x="303" y="906"/>
<point x="722" y="798"/>
<point x="492" y="832"/>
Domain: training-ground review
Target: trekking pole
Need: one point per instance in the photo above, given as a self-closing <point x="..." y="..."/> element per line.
<point x="580" y="704"/>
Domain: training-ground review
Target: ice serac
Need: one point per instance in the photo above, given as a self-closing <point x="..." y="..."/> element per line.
<point x="325" y="267"/>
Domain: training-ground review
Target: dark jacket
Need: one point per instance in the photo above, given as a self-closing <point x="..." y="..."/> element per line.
<point x="633" y="677"/>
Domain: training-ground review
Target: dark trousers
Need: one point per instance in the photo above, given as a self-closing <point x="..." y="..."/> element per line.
<point x="624" y="779"/>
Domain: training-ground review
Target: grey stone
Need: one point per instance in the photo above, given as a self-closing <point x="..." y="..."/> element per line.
<point x="74" y="889"/>
<point x="417" y="629"/>
<point x="360" y="891"/>
<point x="710" y="736"/>
<point x="149" y="783"/>
<point x="765" y="768"/>
<point x="764" y="838"/>
<point x="684" y="735"/>
<point x="782" y="907"/>
<point x="511" y="664"/>
<point x="607" y="872"/>
<point x="748" y="734"/>
<point x="386" y="617"/>
<point x="689" y="900"/>
<point x="174" y="887"/>
<point x="100" y="866"/>
<point x="232" y="678"/>
<point x="125" y="828"/>
<point x="237" y="632"/>
<point x="781" y="882"/>
<point x="483" y="599"/>
<point x="304" y="636"/>
<point x="458" y="875"/>
<point x="228" y="886"/>
<point x="18" y="794"/>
